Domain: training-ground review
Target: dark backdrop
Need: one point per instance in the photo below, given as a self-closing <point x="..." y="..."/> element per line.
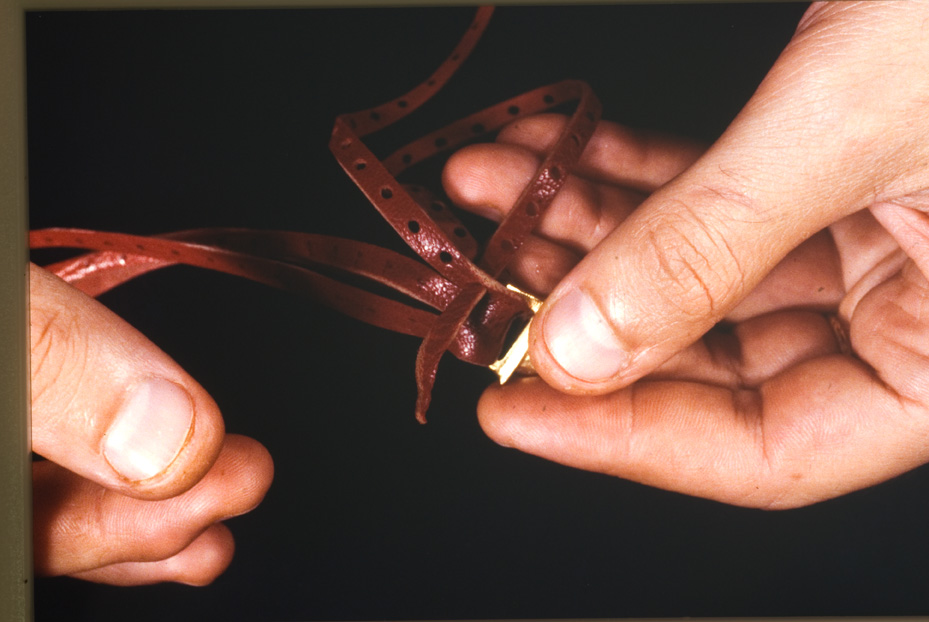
<point x="153" y="121"/>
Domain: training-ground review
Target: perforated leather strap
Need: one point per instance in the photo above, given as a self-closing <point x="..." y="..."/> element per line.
<point x="458" y="279"/>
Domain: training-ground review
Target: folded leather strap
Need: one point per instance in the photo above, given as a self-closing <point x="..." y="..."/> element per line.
<point x="458" y="279"/>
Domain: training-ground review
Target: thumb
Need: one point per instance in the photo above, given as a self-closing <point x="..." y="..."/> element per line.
<point x="828" y="132"/>
<point x="107" y="404"/>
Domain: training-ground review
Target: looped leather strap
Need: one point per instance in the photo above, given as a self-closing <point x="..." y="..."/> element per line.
<point x="458" y="279"/>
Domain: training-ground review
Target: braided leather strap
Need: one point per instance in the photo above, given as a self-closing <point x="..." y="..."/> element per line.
<point x="459" y="277"/>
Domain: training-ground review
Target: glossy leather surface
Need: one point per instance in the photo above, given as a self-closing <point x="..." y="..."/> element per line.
<point x="459" y="279"/>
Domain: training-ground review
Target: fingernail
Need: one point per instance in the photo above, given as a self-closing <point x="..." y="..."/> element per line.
<point x="150" y="429"/>
<point x="580" y="339"/>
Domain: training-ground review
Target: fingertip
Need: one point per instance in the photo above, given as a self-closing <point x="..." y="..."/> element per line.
<point x="520" y="414"/>
<point x="528" y="415"/>
<point x="249" y="464"/>
<point x="573" y="346"/>
<point x="108" y="404"/>
<point x="81" y="527"/>
<point x="207" y="557"/>
<point x="464" y="178"/>
<point x="492" y="416"/>
<point x="486" y="179"/>
<point x="197" y="565"/>
<point x="194" y="455"/>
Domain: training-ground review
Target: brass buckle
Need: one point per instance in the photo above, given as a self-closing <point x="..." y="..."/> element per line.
<point x="516" y="359"/>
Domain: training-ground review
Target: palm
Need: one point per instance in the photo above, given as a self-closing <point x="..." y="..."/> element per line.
<point x="773" y="408"/>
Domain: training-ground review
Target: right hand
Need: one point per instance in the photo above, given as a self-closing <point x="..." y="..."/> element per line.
<point x="772" y="411"/>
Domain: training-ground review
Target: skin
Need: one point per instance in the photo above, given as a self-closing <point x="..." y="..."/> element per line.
<point x="90" y="520"/>
<point x="710" y="268"/>
<point x="710" y="275"/>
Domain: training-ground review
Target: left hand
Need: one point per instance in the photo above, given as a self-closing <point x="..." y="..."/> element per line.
<point x="139" y="473"/>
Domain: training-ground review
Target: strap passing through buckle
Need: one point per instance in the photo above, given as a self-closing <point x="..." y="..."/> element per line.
<point x="516" y="359"/>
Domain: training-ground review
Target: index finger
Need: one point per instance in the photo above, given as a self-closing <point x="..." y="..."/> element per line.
<point x="616" y="154"/>
<point x="798" y="439"/>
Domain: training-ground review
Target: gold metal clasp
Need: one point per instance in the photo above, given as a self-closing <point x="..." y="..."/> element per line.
<point x="516" y="359"/>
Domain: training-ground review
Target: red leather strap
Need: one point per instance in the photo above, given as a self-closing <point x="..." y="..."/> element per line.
<point x="474" y="309"/>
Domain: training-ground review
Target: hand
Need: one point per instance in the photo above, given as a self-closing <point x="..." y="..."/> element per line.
<point x="812" y="201"/>
<point x="138" y="472"/>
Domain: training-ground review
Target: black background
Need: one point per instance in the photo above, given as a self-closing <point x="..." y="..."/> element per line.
<point x="152" y="121"/>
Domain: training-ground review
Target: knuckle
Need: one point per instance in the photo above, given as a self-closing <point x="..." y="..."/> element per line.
<point x="694" y="267"/>
<point x="58" y="352"/>
<point x="132" y="534"/>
